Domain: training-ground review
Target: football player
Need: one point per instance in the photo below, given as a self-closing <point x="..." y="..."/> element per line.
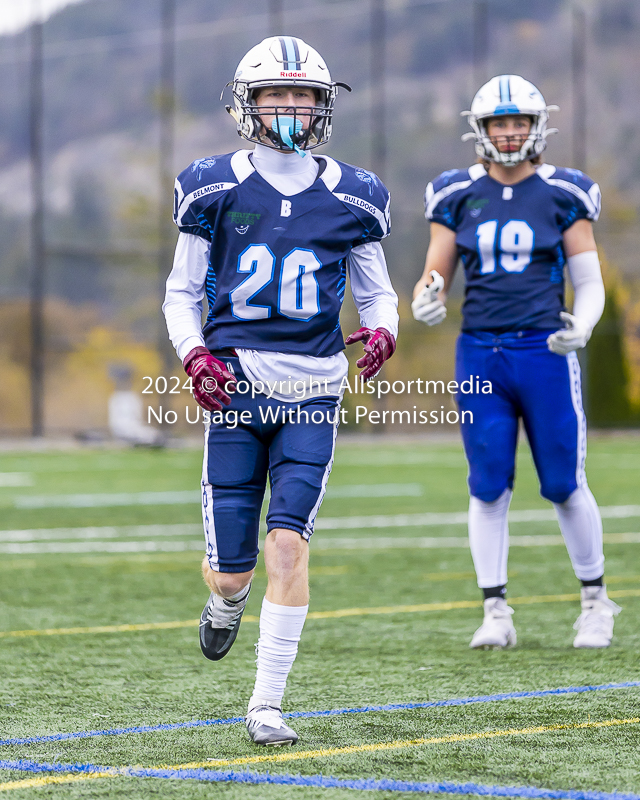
<point x="516" y="223"/>
<point x="269" y="235"/>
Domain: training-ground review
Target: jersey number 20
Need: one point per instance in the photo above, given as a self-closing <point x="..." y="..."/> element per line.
<point x="298" y="292"/>
<point x="514" y="246"/>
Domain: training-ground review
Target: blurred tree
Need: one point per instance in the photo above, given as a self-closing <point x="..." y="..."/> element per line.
<point x="608" y="374"/>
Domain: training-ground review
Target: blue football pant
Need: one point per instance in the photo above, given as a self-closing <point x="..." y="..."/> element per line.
<point x="543" y="389"/>
<point x="529" y="383"/>
<point x="296" y="456"/>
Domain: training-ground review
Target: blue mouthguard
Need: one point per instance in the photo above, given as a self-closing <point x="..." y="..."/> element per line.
<point x="285" y="127"/>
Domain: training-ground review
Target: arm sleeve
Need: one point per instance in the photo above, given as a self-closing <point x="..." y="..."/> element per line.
<point x="182" y="305"/>
<point x="585" y="275"/>
<point x="373" y="294"/>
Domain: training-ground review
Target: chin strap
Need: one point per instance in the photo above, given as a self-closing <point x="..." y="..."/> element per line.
<point x="232" y="113"/>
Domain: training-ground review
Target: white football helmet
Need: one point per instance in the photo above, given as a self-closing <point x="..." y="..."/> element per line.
<point x="508" y="95"/>
<point x="284" y="61"/>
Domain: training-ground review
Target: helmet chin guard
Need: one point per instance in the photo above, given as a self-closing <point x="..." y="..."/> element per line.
<point x="284" y="61"/>
<point x="509" y="95"/>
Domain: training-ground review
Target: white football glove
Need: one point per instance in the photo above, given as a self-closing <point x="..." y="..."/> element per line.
<point x="573" y="337"/>
<point x="426" y="307"/>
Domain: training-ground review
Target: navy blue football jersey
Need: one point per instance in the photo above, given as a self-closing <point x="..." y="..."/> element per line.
<point x="277" y="269"/>
<point x="509" y="239"/>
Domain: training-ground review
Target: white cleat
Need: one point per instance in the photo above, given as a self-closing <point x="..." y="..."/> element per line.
<point x="497" y="629"/>
<point x="266" y="726"/>
<point x="595" y="624"/>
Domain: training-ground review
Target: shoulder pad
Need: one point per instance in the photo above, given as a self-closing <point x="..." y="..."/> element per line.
<point x="202" y="182"/>
<point x="364" y="193"/>
<point x="449" y="178"/>
<point x="449" y="182"/>
<point x="575" y="183"/>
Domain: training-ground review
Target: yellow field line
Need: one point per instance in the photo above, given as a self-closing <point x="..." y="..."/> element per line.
<point x="544" y="598"/>
<point x="342" y="612"/>
<point x="362" y="612"/>
<point x="561" y="598"/>
<point x="30" y="783"/>
<point x="328" y="752"/>
<point x="143" y="626"/>
<point x="371" y="748"/>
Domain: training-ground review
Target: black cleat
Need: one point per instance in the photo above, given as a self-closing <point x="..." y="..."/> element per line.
<point x="219" y="625"/>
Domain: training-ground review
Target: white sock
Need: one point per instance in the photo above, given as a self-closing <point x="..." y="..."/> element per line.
<point x="489" y="539"/>
<point x="240" y="595"/>
<point x="581" y="527"/>
<point x="280" y="630"/>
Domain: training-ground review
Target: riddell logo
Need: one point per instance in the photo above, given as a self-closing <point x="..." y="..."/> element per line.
<point x="293" y="74"/>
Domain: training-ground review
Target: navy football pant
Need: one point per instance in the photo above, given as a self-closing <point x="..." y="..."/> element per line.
<point x="529" y="383"/>
<point x="296" y="456"/>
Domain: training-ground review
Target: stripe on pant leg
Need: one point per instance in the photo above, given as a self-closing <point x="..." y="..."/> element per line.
<point x="207" y="506"/>
<point x="575" y="383"/>
<point x="308" y="528"/>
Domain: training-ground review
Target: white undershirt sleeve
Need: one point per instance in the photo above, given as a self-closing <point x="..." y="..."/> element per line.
<point x="373" y="294"/>
<point x="183" y="301"/>
<point x="585" y="275"/>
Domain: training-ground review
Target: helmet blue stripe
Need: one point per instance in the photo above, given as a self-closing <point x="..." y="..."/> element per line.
<point x="296" y="50"/>
<point x="285" y="63"/>
<point x="505" y="89"/>
<point x="290" y="54"/>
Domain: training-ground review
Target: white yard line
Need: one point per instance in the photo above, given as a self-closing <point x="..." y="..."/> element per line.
<point x="100" y="532"/>
<point x="365" y="523"/>
<point x="420" y="542"/>
<point x="13" y="479"/>
<point x="105" y="500"/>
<point x="456" y="518"/>
<point x="191" y="496"/>
<point x="46" y="548"/>
<point x="318" y="543"/>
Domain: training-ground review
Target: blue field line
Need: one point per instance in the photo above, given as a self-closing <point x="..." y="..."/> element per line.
<point x="319" y="781"/>
<point x="203" y="723"/>
<point x="463" y="701"/>
<point x="171" y="726"/>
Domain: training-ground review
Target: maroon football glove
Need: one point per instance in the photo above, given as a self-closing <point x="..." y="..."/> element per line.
<point x="379" y="345"/>
<point x="209" y="379"/>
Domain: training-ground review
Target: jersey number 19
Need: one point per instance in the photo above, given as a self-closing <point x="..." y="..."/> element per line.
<point x="515" y="246"/>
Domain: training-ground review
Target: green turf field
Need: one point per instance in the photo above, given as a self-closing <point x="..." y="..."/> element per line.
<point x="390" y="624"/>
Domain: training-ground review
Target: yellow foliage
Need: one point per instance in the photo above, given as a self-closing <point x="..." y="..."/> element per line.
<point x="78" y="394"/>
<point x="422" y="352"/>
<point x="80" y="353"/>
<point x="628" y="296"/>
